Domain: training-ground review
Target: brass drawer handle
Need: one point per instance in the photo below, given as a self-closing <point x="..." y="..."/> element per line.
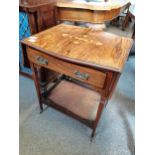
<point x="83" y="76"/>
<point x="41" y="60"/>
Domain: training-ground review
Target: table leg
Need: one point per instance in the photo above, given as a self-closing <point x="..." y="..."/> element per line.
<point x="126" y="21"/>
<point x="99" y="112"/>
<point x="37" y="85"/>
<point x="133" y="34"/>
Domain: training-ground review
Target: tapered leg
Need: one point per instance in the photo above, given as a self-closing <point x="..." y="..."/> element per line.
<point x="34" y="75"/>
<point x="99" y="112"/>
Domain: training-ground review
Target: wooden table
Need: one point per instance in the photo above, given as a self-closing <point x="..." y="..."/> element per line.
<point x="92" y="12"/>
<point x="90" y="64"/>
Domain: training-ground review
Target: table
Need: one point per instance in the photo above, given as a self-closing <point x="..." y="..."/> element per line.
<point x="74" y="10"/>
<point x="92" y="12"/>
<point x="90" y="64"/>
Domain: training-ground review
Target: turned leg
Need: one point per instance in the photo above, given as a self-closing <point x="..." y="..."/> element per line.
<point x="34" y="75"/>
<point x="99" y="112"/>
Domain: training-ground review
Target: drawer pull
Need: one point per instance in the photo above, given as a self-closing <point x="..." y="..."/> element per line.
<point x="83" y="76"/>
<point x="41" y="60"/>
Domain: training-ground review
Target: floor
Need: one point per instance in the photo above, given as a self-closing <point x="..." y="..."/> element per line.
<point x="53" y="133"/>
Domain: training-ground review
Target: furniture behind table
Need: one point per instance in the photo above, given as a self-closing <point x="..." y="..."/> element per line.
<point x="34" y="16"/>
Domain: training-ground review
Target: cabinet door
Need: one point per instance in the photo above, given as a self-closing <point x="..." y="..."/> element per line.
<point x="46" y="17"/>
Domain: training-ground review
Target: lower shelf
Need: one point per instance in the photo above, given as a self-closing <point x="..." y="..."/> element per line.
<point x="77" y="99"/>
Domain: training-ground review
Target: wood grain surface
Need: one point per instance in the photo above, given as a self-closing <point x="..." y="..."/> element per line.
<point x="100" y="49"/>
<point x="82" y="45"/>
<point x="85" y="15"/>
<point x="81" y="101"/>
<point x="95" y="78"/>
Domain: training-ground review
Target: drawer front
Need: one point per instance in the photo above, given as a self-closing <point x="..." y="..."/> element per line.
<point x="84" y="74"/>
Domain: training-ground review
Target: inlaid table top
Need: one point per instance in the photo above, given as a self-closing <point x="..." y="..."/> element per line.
<point x="83" y="46"/>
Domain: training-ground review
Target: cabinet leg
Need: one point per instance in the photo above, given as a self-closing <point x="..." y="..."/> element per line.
<point x="36" y="82"/>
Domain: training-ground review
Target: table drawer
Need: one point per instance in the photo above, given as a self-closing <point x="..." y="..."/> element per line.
<point x="84" y="74"/>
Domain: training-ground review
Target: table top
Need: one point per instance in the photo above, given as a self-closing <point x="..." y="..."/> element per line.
<point x="92" y="4"/>
<point x="34" y="3"/>
<point x="83" y="4"/>
<point x="83" y="46"/>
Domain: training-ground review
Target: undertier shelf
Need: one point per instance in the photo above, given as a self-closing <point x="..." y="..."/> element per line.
<point x="77" y="99"/>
